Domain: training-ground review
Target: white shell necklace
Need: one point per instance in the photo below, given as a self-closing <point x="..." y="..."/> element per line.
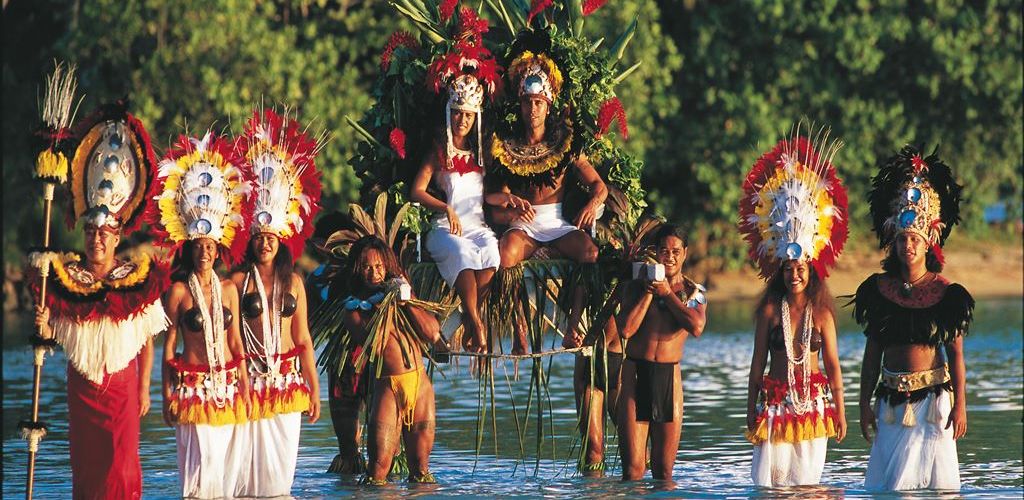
<point x="270" y="322"/>
<point x="801" y="399"/>
<point x="213" y="333"/>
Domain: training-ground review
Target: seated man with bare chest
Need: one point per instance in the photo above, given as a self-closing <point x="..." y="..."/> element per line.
<point x="655" y="320"/>
<point x="530" y="166"/>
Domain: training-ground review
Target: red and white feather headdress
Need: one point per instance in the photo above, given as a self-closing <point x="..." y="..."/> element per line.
<point x="199" y="192"/>
<point x="279" y="164"/>
<point x="794" y="206"/>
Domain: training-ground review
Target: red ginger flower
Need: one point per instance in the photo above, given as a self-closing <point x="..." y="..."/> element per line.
<point x="589" y="6"/>
<point x="398" y="39"/>
<point x="472" y="26"/>
<point x="536" y="7"/>
<point x="397" y="140"/>
<point x="447" y="8"/>
<point x="612" y="110"/>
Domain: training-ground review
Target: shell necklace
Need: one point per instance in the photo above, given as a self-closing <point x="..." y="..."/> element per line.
<point x="801" y="399"/>
<point x="270" y="321"/>
<point x="213" y="333"/>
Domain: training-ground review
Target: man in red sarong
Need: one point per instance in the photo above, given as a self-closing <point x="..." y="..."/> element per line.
<point x="104" y="310"/>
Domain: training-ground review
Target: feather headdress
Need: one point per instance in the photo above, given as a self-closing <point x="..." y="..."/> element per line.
<point x="536" y="75"/>
<point x="199" y="194"/>
<point x="917" y="194"/>
<point x="467" y="71"/>
<point x="279" y="166"/>
<point x="111" y="170"/>
<point x="794" y="205"/>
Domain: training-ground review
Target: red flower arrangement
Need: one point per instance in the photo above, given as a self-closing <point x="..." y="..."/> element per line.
<point x="398" y="39"/>
<point x="397" y="140"/>
<point x="589" y="6"/>
<point x="447" y="8"/>
<point x="536" y="7"/>
<point x="612" y="110"/>
<point x="472" y="26"/>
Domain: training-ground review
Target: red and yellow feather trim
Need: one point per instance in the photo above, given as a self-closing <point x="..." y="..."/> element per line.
<point x="282" y="392"/>
<point x="125" y="291"/>
<point x="192" y="401"/>
<point x="779" y="423"/>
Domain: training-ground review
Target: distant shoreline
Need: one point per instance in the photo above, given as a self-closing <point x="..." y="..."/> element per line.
<point x="987" y="271"/>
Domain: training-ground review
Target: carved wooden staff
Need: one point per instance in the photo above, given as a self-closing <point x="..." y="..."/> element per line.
<point x="51" y="169"/>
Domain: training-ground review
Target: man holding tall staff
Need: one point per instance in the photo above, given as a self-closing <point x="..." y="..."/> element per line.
<point x="104" y="310"/>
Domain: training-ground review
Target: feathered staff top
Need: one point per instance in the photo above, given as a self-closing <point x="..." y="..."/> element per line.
<point x="112" y="169"/>
<point x="199" y="192"/>
<point x="279" y="166"/>
<point x="794" y="206"/>
<point x="914" y="193"/>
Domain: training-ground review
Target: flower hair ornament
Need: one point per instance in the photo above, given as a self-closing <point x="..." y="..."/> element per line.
<point x="111" y="169"/>
<point x="914" y="193"/>
<point x="199" y="192"/>
<point x="794" y="206"/>
<point x="278" y="164"/>
<point x="468" y="71"/>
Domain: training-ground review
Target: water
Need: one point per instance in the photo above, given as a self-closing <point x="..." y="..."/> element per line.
<point x="713" y="461"/>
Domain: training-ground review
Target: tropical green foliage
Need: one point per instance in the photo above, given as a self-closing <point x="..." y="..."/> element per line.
<point x="719" y="82"/>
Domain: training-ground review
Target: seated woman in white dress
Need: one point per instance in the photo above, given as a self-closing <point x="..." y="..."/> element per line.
<point x="463" y="246"/>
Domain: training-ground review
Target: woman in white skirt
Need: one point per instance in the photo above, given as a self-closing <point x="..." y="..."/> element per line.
<point x="278" y="161"/>
<point x="460" y="242"/>
<point x="206" y="387"/>
<point x="793" y="215"/>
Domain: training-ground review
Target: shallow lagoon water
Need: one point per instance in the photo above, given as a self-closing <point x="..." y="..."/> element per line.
<point x="713" y="461"/>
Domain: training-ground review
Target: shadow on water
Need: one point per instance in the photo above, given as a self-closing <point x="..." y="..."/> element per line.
<point x="713" y="461"/>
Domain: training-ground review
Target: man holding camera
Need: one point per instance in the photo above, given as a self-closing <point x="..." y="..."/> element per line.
<point x="659" y="312"/>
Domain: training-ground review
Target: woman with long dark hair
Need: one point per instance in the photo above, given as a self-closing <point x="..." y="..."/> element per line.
<point x="278" y="161"/>
<point x="793" y="215"/>
<point x="460" y="242"/>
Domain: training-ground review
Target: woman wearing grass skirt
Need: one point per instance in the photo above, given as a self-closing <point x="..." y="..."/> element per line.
<point x="206" y="387"/>
<point x="911" y="316"/>
<point x="793" y="214"/>
<point x="282" y="200"/>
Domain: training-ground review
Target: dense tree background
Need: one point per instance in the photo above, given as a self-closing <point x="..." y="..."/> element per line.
<point x="720" y="82"/>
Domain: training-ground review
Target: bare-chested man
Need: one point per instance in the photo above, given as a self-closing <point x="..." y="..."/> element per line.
<point x="531" y="167"/>
<point x="656" y="319"/>
<point x="402" y="405"/>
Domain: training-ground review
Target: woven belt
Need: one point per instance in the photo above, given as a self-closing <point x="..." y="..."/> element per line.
<point x="912" y="381"/>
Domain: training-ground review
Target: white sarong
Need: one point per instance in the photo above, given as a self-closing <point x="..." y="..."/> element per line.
<point x="477" y="247"/>
<point x="268" y="450"/>
<point x="547" y="225"/>
<point x="776" y="465"/>
<point x="922" y="456"/>
<point x="206" y="458"/>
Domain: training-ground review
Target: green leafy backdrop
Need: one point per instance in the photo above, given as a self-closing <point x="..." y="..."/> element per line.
<point x="719" y="82"/>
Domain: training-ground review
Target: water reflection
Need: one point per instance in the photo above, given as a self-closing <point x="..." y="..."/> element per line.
<point x="713" y="461"/>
